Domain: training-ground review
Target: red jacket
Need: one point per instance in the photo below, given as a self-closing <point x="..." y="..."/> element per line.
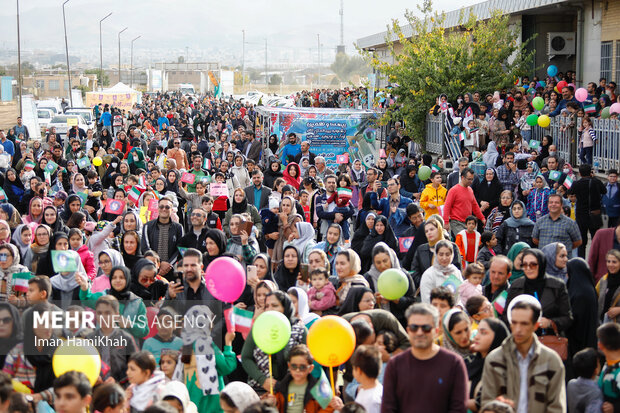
<point x="88" y="261"/>
<point x="602" y="242"/>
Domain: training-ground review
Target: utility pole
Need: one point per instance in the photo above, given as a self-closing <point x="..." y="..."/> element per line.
<point x="186" y="54"/>
<point x="64" y="21"/>
<point x="101" y="51"/>
<point x="318" y="41"/>
<point x="243" y="60"/>
<point x="119" y="53"/>
<point x="131" y="61"/>
<point x="19" y="64"/>
<point x="266" y="74"/>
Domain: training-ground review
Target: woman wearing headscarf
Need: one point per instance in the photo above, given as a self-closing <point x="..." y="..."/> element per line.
<point x="107" y="259"/>
<point x="348" y="268"/>
<point x="237" y="396"/>
<point x="584" y="303"/>
<point x="302" y="310"/>
<point x="441" y="270"/>
<point x="517" y="228"/>
<point x="273" y="144"/>
<point x="292" y="175"/>
<point x="546" y="142"/>
<point x="35" y="211"/>
<point x="10" y="215"/>
<point x="256" y="363"/>
<point x="286" y="225"/>
<point x="130" y="248"/>
<point x="240" y="205"/>
<point x="65" y="288"/>
<point x="549" y="291"/>
<point x="384" y="258"/>
<point x="240" y="243"/>
<point x="247" y="300"/>
<point x="108" y="177"/>
<point x="40" y="245"/>
<point x="381" y="232"/>
<point x="424" y="255"/>
<point x="5" y="232"/>
<point x="491" y="333"/>
<point x="14" y="188"/>
<point x="409" y="180"/>
<point x="456" y="337"/>
<point x="9" y="266"/>
<point x="272" y="173"/>
<point x="216" y="246"/>
<point x="500" y="213"/>
<point x="302" y="238"/>
<point x="527" y="180"/>
<point x="557" y="258"/>
<point x="52" y="220"/>
<point x="490" y="156"/>
<point x="608" y="288"/>
<point x="488" y="192"/>
<point x="131" y="306"/>
<point x="332" y="244"/>
<point x="22" y="238"/>
<point x="10" y="331"/>
<point x="515" y="254"/>
<point x="362" y="231"/>
<point x="358" y="179"/>
<point x="73" y="203"/>
<point x="144" y="283"/>
<point x="288" y="270"/>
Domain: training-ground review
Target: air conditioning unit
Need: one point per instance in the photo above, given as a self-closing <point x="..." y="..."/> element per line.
<point x="561" y="43"/>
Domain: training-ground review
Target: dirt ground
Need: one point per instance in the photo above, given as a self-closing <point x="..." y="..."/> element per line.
<point x="8" y="114"/>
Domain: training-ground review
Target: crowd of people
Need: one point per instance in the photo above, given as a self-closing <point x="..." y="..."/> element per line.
<point x="501" y="310"/>
<point x="346" y="98"/>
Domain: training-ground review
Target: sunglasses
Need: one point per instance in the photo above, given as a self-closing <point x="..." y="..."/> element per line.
<point x="530" y="265"/>
<point x="299" y="367"/>
<point x="426" y="328"/>
<point x="165" y="207"/>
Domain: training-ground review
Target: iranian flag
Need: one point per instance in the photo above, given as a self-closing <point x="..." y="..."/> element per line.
<point x="344" y="193"/>
<point x="206" y="164"/>
<point x="434" y="168"/>
<point x="500" y="303"/>
<point x="134" y="194"/>
<point x="590" y="108"/>
<point x="142" y="181"/>
<point x="568" y="182"/>
<point x="20" y="281"/>
<point x="238" y="320"/>
<point x="463" y="135"/>
<point x="29" y="165"/>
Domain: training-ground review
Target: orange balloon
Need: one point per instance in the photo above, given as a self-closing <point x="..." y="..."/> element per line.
<point x="331" y="340"/>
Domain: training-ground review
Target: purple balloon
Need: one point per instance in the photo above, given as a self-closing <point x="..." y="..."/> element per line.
<point x="581" y="94"/>
<point x="225" y="279"/>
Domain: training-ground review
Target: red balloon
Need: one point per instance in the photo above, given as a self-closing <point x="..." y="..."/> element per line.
<point x="561" y="85"/>
<point x="151" y="313"/>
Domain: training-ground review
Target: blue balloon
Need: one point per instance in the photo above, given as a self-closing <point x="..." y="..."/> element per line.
<point x="552" y="70"/>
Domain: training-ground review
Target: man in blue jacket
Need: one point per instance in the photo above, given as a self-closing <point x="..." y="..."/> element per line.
<point x="106" y="119"/>
<point x="290" y="150"/>
<point x="611" y="200"/>
<point x="568" y="95"/>
<point x="394" y="207"/>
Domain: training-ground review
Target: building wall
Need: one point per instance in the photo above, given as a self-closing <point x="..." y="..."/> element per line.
<point x="49" y="86"/>
<point x="591" y="51"/>
<point x="610" y="26"/>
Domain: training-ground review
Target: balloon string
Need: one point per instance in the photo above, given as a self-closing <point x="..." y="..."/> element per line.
<point x="331" y="376"/>
<point x="270" y="377"/>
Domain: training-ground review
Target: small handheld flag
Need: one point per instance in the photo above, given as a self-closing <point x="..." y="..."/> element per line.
<point x="238" y="320"/>
<point x="83" y="197"/>
<point x="64" y="261"/>
<point x="20" y="281"/>
<point x="342" y="159"/>
<point x="29" y="165"/>
<point x="534" y="144"/>
<point x="188" y="178"/>
<point x="115" y="206"/>
<point x="206" y="164"/>
<point x="134" y="194"/>
<point x="404" y="243"/>
<point x="51" y="167"/>
<point x="83" y="162"/>
<point x="568" y="182"/>
<point x="555" y="175"/>
<point x="344" y="193"/>
<point x="453" y="283"/>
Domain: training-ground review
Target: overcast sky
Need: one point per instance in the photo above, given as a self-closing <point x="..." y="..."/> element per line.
<point x="166" y="25"/>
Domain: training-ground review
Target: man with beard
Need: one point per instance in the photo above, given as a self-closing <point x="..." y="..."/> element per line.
<point x="185" y="293"/>
<point x="426" y="378"/>
<point x="196" y="237"/>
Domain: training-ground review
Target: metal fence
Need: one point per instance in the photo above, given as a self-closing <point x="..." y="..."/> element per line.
<point x="565" y="138"/>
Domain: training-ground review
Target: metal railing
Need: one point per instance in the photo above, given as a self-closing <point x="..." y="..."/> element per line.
<point x="565" y="137"/>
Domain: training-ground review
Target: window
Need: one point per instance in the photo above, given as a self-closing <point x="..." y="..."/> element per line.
<point x="66" y="85"/>
<point x="40" y="84"/>
<point x="617" y="61"/>
<point x="606" y="59"/>
<point x="53" y="84"/>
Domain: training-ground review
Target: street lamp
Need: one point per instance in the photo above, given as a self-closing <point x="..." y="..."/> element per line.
<point x="119" y="53"/>
<point x="133" y="40"/>
<point x="64" y="21"/>
<point x="19" y="64"/>
<point x="101" y="50"/>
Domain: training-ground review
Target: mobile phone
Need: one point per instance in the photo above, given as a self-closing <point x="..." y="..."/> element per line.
<point x="252" y="272"/>
<point x="303" y="270"/>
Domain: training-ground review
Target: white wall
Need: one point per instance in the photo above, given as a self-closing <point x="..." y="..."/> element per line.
<point x="591" y="59"/>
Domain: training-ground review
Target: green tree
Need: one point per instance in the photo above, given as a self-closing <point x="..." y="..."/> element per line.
<point x="275" y="80"/>
<point x="478" y="55"/>
<point x="102" y="78"/>
<point x="344" y="66"/>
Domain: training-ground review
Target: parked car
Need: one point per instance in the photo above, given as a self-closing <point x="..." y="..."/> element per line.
<point x="86" y="113"/>
<point x="44" y="116"/>
<point x="60" y="123"/>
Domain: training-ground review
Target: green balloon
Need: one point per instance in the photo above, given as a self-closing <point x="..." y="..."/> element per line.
<point x="532" y="120"/>
<point x="538" y="103"/>
<point x="605" y="113"/>
<point x="392" y="284"/>
<point x="424" y="172"/>
<point x="271" y="331"/>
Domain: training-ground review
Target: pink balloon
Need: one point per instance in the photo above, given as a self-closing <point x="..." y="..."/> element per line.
<point x="581" y="94"/>
<point x="615" y="108"/>
<point x="571" y="84"/>
<point x="225" y="279"/>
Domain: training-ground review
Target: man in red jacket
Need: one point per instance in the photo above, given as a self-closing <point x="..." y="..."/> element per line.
<point x="461" y="203"/>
